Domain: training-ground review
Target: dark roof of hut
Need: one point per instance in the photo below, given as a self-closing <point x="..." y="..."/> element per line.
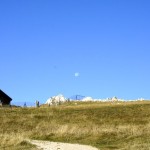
<point x="4" y="95"/>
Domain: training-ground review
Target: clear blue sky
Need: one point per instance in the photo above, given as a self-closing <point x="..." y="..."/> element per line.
<point x="43" y="43"/>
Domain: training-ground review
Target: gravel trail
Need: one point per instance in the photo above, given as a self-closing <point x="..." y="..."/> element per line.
<point x="45" y="145"/>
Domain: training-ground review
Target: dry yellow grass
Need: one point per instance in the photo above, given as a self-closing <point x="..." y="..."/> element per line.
<point x="124" y="126"/>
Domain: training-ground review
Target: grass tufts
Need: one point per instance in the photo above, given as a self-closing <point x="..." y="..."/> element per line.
<point x="123" y="126"/>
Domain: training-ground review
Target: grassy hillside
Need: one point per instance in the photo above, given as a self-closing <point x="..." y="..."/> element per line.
<point x="124" y="126"/>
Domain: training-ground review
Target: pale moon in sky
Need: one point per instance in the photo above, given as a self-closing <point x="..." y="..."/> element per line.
<point x="76" y="74"/>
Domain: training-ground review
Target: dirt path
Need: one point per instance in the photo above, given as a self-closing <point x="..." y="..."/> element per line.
<point x="45" y="145"/>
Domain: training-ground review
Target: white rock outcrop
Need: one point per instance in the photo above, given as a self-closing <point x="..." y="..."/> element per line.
<point x="56" y="100"/>
<point x="87" y="99"/>
<point x="114" y="99"/>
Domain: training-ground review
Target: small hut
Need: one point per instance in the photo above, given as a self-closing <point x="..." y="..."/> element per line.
<point x="4" y="98"/>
